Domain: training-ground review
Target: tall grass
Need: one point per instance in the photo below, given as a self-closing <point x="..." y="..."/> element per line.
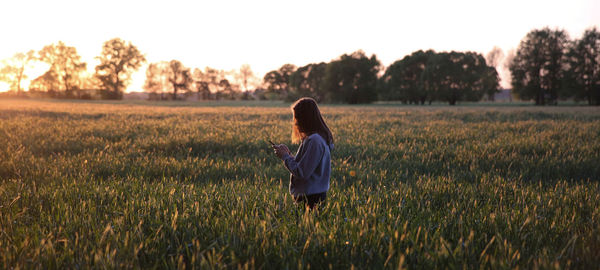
<point x="149" y="186"/>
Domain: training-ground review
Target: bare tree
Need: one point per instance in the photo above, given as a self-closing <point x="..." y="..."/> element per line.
<point x="510" y="55"/>
<point x="13" y="70"/>
<point x="505" y="67"/>
<point x="170" y="76"/>
<point x="155" y="78"/>
<point x="179" y="77"/>
<point x="245" y="76"/>
<point x="495" y="57"/>
<point x="212" y="83"/>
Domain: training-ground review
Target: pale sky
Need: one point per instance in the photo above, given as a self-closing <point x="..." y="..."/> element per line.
<point x="268" y="34"/>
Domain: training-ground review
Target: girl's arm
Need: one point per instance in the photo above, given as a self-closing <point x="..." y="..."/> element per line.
<point x="310" y="160"/>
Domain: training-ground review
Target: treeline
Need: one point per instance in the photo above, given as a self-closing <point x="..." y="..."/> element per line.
<point x="547" y="66"/>
<point x="172" y="80"/>
<point x="67" y="75"/>
<point x="419" y="78"/>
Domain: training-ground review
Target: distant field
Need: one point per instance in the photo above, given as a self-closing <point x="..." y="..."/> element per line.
<point x="130" y="185"/>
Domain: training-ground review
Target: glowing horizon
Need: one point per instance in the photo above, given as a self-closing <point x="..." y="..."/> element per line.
<point x="267" y="34"/>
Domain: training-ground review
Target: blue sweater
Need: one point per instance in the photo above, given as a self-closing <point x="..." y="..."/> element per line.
<point x="311" y="168"/>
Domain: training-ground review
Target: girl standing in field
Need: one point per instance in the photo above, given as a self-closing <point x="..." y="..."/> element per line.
<point x="310" y="169"/>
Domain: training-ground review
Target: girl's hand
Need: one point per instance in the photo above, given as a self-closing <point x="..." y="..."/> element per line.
<point x="281" y="149"/>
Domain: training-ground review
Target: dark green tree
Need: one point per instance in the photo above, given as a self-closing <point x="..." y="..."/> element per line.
<point x="537" y="68"/>
<point x="402" y="79"/>
<point x="307" y="81"/>
<point x="490" y="82"/>
<point x="352" y="79"/>
<point x="584" y="67"/>
<point x="117" y="61"/>
<point x="457" y="76"/>
<point x="278" y="81"/>
<point x="227" y="90"/>
<point x="494" y="59"/>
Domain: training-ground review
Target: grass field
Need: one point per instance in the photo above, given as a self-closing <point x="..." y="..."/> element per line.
<point x="148" y="185"/>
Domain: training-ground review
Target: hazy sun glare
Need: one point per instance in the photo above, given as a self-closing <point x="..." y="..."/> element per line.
<point x="4" y="86"/>
<point x="34" y="70"/>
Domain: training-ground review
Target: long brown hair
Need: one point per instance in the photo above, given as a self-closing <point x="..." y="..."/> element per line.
<point x="308" y="120"/>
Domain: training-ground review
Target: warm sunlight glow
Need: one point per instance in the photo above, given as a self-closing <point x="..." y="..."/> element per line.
<point x="268" y="34"/>
<point x="37" y="69"/>
<point x="4" y="87"/>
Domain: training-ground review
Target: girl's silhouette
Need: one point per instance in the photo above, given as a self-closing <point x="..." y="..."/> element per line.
<point x="310" y="168"/>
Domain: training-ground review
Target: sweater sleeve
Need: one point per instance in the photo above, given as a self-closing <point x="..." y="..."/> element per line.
<point x="308" y="163"/>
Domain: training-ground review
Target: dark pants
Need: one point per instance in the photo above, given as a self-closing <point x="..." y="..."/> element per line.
<point x="311" y="200"/>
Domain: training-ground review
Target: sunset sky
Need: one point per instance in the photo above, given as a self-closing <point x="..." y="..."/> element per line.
<point x="268" y="34"/>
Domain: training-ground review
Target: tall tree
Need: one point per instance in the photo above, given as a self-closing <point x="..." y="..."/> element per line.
<point x="490" y="81"/>
<point x="201" y="84"/>
<point x="245" y="76"/>
<point x="537" y="68"/>
<point x="307" y="81"/>
<point x="208" y="82"/>
<point x="226" y="90"/>
<point x="457" y="76"/>
<point x="402" y="79"/>
<point x="179" y="77"/>
<point x="170" y="77"/>
<point x="117" y="61"/>
<point x="278" y="81"/>
<point x="47" y="82"/>
<point x="65" y="64"/>
<point x="352" y="78"/>
<point x="13" y="70"/>
<point x="494" y="59"/>
<point x="155" y="77"/>
<point x="584" y="66"/>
